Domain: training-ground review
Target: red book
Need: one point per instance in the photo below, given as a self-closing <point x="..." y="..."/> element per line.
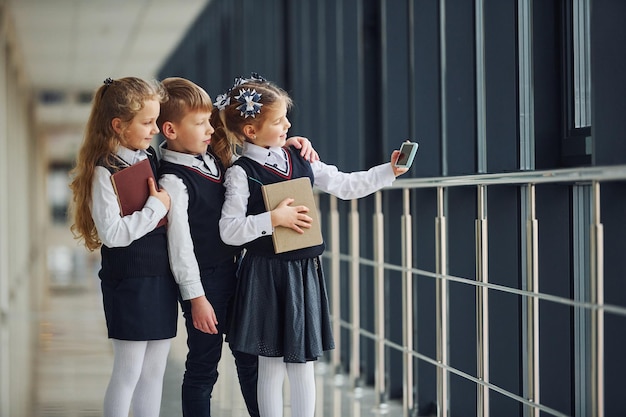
<point x="131" y="187"/>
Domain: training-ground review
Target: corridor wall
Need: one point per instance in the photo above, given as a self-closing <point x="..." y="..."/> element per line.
<point x="22" y="263"/>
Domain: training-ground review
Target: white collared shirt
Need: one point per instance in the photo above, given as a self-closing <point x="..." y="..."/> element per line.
<point x="183" y="260"/>
<point x="113" y="229"/>
<point x="237" y="229"/>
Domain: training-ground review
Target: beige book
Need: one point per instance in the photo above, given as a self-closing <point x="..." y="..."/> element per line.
<point x="286" y="239"/>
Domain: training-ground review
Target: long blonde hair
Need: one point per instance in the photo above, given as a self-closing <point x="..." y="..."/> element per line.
<point x="122" y="98"/>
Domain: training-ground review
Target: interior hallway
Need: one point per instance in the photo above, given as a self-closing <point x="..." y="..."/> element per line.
<point x="75" y="357"/>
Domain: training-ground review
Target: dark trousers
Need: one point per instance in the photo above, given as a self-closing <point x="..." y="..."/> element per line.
<point x="205" y="350"/>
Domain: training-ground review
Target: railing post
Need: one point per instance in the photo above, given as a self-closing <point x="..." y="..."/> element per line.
<point x="482" y="304"/>
<point x="597" y="315"/>
<point x="379" y="303"/>
<point x="335" y="284"/>
<point x="442" y="305"/>
<point x="407" y="304"/>
<point x="355" y="299"/>
<point x="532" y="304"/>
<point x="525" y="81"/>
<point x="582" y="224"/>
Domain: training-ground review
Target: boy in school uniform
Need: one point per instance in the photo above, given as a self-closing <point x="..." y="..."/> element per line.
<point x="204" y="267"/>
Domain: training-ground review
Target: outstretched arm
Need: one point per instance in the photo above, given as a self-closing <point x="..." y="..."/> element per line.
<point x="350" y="185"/>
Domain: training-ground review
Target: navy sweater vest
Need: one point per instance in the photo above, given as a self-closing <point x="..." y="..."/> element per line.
<point x="144" y="257"/>
<point x="206" y="197"/>
<point x="261" y="175"/>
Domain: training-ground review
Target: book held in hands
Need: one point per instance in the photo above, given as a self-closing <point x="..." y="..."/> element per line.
<point x="286" y="239"/>
<point x="131" y="187"/>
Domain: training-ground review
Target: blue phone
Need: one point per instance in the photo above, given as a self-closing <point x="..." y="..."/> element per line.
<point x="407" y="154"/>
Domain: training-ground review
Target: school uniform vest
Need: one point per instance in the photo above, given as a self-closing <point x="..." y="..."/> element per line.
<point x="258" y="175"/>
<point x="206" y="197"/>
<point x="144" y="257"/>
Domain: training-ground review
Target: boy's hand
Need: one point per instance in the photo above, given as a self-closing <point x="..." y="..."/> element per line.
<point x="162" y="195"/>
<point x="291" y="217"/>
<point x="305" y="146"/>
<point x="203" y="315"/>
<point x="395" y="155"/>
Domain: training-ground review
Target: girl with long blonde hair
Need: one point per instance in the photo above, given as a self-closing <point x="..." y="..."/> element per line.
<point x="138" y="290"/>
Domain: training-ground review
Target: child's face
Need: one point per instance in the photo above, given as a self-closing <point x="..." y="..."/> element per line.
<point x="192" y="133"/>
<point x="273" y="131"/>
<point x="138" y="134"/>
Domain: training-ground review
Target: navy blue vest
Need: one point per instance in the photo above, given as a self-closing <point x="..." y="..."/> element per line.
<point x="262" y="175"/>
<point x="144" y="257"/>
<point x="206" y="197"/>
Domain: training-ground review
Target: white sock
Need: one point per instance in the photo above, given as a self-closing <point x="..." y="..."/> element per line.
<point x="127" y="363"/>
<point x="302" y="388"/>
<point x="270" y="386"/>
<point x="147" y="398"/>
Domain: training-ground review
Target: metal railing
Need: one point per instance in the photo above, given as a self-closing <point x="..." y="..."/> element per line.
<point x="590" y="179"/>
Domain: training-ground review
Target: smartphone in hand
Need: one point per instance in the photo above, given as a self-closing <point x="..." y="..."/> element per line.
<point x="407" y="154"/>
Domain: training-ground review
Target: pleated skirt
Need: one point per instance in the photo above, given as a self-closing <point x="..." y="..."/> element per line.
<point x="281" y="309"/>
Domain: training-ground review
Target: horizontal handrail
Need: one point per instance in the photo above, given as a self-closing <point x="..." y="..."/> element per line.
<point x="569" y="175"/>
<point x="608" y="308"/>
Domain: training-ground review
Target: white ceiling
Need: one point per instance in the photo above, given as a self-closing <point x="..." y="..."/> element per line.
<point x="69" y="47"/>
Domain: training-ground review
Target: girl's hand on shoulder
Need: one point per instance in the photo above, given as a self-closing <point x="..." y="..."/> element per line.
<point x="293" y="217"/>
<point x="305" y="146"/>
<point x="397" y="171"/>
<point x="162" y="195"/>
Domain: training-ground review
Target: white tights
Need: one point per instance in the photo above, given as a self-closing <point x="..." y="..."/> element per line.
<point x="137" y="378"/>
<point x="270" y="387"/>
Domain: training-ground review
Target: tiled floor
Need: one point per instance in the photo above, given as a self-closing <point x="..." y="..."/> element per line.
<point x="75" y="356"/>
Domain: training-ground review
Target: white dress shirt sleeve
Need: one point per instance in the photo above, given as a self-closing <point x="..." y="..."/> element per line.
<point x="348" y="186"/>
<point x="113" y="229"/>
<point x="235" y="227"/>
<point x="183" y="260"/>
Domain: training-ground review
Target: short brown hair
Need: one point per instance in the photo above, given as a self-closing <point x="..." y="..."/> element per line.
<point x="184" y="96"/>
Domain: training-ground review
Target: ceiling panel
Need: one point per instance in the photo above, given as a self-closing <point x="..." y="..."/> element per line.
<point x="93" y="39"/>
<point x="71" y="46"/>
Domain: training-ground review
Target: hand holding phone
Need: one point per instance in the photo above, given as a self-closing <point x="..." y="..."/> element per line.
<point x="407" y="154"/>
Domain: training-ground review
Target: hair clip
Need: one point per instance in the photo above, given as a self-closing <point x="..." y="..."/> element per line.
<point x="107" y="82"/>
<point x="250" y="102"/>
<point x="237" y="82"/>
<point x="222" y="100"/>
<point x="249" y="99"/>
<point x="256" y="77"/>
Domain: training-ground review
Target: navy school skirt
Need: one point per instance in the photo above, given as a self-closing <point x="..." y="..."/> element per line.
<point x="281" y="309"/>
<point x="141" y="308"/>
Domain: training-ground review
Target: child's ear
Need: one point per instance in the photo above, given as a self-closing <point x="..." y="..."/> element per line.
<point x="249" y="131"/>
<point x="169" y="130"/>
<point x="116" y="124"/>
